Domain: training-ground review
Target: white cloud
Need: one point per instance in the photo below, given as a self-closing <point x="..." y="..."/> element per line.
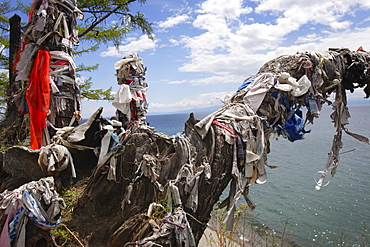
<point x="236" y="48"/>
<point x="230" y="9"/>
<point x="227" y="67"/>
<point x="231" y="42"/>
<point x="282" y="5"/>
<point x="173" y="21"/>
<point x="177" y="82"/>
<point x="198" y="102"/>
<point x="328" y="13"/>
<point x="307" y="38"/>
<point x="131" y="45"/>
<point x="212" y="23"/>
<point x="364" y="21"/>
<point x="231" y="68"/>
<point x="174" y="42"/>
<point x="364" y="3"/>
<point x="207" y="43"/>
<point x="351" y="39"/>
<point x="231" y="78"/>
<point x="340" y="25"/>
<point x="216" y="79"/>
<point x="258" y="36"/>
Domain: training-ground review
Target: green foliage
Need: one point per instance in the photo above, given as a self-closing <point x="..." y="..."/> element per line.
<point x="252" y="233"/>
<point x="220" y="236"/>
<point x="344" y="240"/>
<point x="63" y="236"/>
<point x="94" y="94"/>
<point x="105" y="22"/>
<point x="5" y="9"/>
<point x="70" y="198"/>
<point x="99" y="28"/>
<point x="4" y="80"/>
<point x="246" y="230"/>
<point x="83" y="67"/>
<point x="23" y="7"/>
<point x="98" y="12"/>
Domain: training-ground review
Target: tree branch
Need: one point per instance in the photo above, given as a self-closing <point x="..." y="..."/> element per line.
<point x="93" y="25"/>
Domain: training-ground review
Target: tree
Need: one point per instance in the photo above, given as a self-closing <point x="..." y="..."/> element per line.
<point x="8" y="133"/>
<point x="149" y="189"/>
<point x="5" y="10"/>
<point x="94" y="31"/>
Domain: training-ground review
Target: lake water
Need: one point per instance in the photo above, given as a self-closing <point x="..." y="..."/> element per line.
<point x="313" y="218"/>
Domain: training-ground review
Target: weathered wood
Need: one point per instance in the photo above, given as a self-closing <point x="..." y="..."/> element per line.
<point x="36" y="237"/>
<point x="117" y="212"/>
<point x="13" y="127"/>
<point x="15" y="39"/>
<point x="99" y="213"/>
<point x="19" y="166"/>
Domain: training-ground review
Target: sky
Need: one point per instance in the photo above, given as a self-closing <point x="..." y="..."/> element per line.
<point x="203" y="50"/>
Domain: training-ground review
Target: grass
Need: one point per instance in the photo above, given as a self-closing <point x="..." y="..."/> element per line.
<point x="245" y="231"/>
<point x="344" y="240"/>
<point x="63" y="235"/>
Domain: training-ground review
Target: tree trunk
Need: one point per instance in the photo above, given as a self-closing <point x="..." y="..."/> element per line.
<point x="13" y="128"/>
<point x="105" y="214"/>
<point x="150" y="188"/>
<point x="15" y="38"/>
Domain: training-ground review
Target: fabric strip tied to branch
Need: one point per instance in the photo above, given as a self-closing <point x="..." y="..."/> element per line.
<point x="38" y="97"/>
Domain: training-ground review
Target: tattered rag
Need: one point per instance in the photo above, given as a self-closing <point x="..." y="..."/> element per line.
<point x="38" y="97"/>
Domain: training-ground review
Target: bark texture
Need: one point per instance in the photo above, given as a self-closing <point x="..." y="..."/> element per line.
<point x="104" y="216"/>
<point x="151" y="189"/>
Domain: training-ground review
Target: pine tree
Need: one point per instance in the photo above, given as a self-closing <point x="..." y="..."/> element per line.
<point x="94" y="31"/>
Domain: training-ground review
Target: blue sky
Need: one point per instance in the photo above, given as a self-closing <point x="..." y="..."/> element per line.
<point x="203" y="50"/>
